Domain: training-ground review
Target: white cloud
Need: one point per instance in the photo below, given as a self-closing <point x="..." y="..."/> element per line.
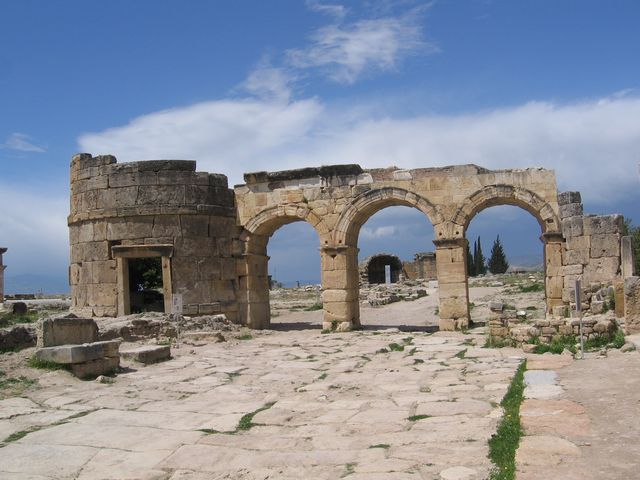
<point x="346" y="51"/>
<point x="337" y="11"/>
<point x="33" y="226"/>
<point x="378" y="232"/>
<point x="21" y="142"/>
<point x="228" y="136"/>
<point x="269" y="83"/>
<point x="593" y="145"/>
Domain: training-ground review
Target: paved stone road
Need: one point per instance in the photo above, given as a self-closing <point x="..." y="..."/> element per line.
<point x="333" y="407"/>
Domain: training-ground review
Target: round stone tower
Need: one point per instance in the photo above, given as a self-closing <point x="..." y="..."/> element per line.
<point x="162" y="210"/>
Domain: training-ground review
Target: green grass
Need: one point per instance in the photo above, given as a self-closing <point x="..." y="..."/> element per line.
<point x="461" y="353"/>
<point x="606" y="341"/>
<point x="417" y="361"/>
<point x="394" y="347"/>
<point x="415" y="418"/>
<point x="504" y="443"/>
<point x="534" y="287"/>
<point x="381" y="445"/>
<point x="246" y="336"/>
<point x="497" y="343"/>
<point x="35" y="362"/>
<point x="8" y="319"/>
<point x="323" y="376"/>
<point x="558" y="344"/>
<point x="313" y="308"/>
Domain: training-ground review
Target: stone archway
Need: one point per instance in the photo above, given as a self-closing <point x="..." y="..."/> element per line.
<point x="452" y="261"/>
<point x="340" y="259"/>
<point x="253" y="264"/>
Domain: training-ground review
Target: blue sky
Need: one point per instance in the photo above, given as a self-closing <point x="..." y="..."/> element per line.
<point x="252" y="85"/>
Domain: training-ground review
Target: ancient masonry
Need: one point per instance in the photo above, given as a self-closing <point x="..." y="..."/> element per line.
<point x="212" y="240"/>
<point x="2" y="269"/>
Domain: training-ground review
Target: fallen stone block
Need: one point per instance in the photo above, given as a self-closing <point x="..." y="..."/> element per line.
<point x="19" y="308"/>
<point x="94" y="368"/>
<point x="147" y="353"/>
<point x="66" y="331"/>
<point x="68" y="354"/>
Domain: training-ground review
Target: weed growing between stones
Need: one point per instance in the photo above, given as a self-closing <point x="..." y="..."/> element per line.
<point x="415" y="418"/>
<point x="14" y="386"/>
<point x="245" y="423"/>
<point x="349" y="469"/>
<point x="246" y="336"/>
<point x="381" y="445"/>
<point x="504" y="443"/>
<point x="461" y="354"/>
<point x="557" y="345"/>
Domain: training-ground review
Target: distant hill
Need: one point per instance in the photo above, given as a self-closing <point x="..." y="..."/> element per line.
<point x="33" y="283"/>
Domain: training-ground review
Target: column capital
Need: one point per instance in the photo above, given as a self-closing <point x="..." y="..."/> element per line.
<point x="451" y="242"/>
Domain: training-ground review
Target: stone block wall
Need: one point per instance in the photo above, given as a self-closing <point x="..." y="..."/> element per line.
<point x="151" y="203"/>
<point x="591" y="250"/>
<point x="507" y="327"/>
<point x="422" y="266"/>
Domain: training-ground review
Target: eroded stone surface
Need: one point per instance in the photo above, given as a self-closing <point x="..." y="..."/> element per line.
<point x="341" y="407"/>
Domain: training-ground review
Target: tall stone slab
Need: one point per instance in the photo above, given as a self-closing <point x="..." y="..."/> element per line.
<point x="2" y="269"/>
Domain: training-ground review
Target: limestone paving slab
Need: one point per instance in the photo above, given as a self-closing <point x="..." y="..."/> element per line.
<point x="331" y="405"/>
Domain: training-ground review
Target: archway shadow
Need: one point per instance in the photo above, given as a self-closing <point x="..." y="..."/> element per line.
<point x="294" y="326"/>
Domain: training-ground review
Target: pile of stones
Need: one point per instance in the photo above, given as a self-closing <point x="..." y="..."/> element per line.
<point x="382" y="294"/>
<point x="512" y="327"/>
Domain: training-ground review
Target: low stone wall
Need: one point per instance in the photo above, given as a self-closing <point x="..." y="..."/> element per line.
<point x="508" y="327"/>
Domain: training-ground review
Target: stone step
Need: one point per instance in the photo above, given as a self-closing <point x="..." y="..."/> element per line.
<point x="147" y="353"/>
<point x="86" y="352"/>
<point x="94" y="368"/>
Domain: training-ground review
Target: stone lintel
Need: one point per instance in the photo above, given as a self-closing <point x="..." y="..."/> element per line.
<point x="142" y="251"/>
<point x="300" y="173"/>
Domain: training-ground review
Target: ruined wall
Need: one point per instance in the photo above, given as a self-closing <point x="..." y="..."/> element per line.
<point x="372" y="268"/>
<point x="337" y="200"/>
<point x="591" y="250"/>
<point x="423" y="266"/>
<point x="154" y="203"/>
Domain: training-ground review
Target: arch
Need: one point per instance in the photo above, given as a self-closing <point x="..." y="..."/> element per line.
<point x="269" y="220"/>
<point x="493" y="195"/>
<point x="363" y="206"/>
<point x="372" y="268"/>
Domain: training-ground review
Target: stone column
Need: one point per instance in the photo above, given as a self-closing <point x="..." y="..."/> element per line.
<point x="340" y="284"/>
<point x="253" y="298"/>
<point x="627" y="260"/>
<point x="451" y="265"/>
<point x="2" y="268"/>
<point x="553" y="269"/>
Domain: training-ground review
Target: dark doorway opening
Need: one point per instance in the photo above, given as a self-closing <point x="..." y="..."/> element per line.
<point x="145" y="285"/>
<point x="376" y="268"/>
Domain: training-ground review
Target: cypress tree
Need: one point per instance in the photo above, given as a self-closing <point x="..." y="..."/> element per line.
<point x="498" y="261"/>
<point x="471" y="269"/>
<point x="479" y="260"/>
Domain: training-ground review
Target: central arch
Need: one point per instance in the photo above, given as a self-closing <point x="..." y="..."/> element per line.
<point x="358" y="212"/>
<point x="340" y="259"/>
